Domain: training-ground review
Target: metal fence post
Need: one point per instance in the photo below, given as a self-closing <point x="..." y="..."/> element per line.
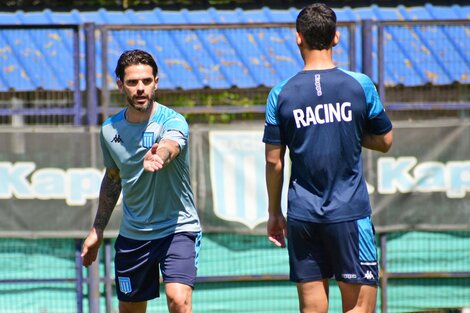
<point x="383" y="270"/>
<point x="91" y="91"/>
<point x="380" y="62"/>
<point x="108" y="278"/>
<point x="93" y="269"/>
<point x="17" y="121"/>
<point x="366" y="27"/>
<point x="94" y="287"/>
<point x="352" y="47"/>
<point x="77" y="98"/>
<point x="105" y="96"/>
<point x="79" y="275"/>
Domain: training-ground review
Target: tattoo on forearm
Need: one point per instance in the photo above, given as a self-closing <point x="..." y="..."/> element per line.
<point x="109" y="195"/>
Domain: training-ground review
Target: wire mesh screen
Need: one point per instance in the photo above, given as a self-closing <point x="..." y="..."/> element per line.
<point x="428" y="252"/>
<point x="37" y="275"/>
<point x="212" y="65"/>
<point x="426" y="65"/>
<point x="428" y="271"/>
<point x="39" y="75"/>
<point x="244" y="273"/>
<point x="44" y="105"/>
<point x="423" y="65"/>
<point x="217" y="58"/>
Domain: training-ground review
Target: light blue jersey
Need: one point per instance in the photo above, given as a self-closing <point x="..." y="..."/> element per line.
<point x="155" y="204"/>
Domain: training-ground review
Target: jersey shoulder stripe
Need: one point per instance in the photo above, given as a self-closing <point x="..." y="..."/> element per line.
<point x="271" y="105"/>
<point x="374" y="105"/>
<point x="170" y="119"/>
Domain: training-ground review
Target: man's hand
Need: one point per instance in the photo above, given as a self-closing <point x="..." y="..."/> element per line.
<point x="152" y="162"/>
<point x="277" y="230"/>
<point x="91" y="246"/>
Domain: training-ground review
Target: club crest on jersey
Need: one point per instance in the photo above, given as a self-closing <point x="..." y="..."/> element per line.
<point x="125" y="284"/>
<point x="148" y="139"/>
<point x="151" y="135"/>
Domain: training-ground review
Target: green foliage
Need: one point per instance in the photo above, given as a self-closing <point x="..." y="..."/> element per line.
<point x="183" y="101"/>
<point x="213" y="99"/>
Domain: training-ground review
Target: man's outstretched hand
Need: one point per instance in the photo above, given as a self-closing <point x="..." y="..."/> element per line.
<point x="152" y="162"/>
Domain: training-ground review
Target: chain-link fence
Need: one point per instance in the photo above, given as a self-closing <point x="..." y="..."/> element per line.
<point x="220" y="73"/>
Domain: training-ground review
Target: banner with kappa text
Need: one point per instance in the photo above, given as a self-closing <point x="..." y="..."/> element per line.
<point x="50" y="179"/>
<point x="49" y="182"/>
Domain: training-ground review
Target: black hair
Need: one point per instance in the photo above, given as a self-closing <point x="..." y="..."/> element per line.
<point x="317" y="24"/>
<point x="134" y="57"/>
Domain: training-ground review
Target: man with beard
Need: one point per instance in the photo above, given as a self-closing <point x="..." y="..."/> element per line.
<point x="145" y="152"/>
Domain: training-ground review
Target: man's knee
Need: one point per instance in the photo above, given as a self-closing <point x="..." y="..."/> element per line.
<point x="179" y="298"/>
<point x="358" y="298"/>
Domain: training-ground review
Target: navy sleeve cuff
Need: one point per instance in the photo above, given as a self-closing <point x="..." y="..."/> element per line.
<point x="272" y="134"/>
<point x="379" y="124"/>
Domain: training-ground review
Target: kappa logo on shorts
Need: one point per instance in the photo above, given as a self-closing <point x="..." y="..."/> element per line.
<point x="125" y="284"/>
<point x="369" y="275"/>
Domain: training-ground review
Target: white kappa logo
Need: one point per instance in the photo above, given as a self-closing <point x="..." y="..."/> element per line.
<point x="369" y="275"/>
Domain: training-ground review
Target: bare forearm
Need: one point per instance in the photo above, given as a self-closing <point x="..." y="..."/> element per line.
<point x="274" y="176"/>
<point x="109" y="195"/>
<point x="168" y="150"/>
<point x="274" y="180"/>
<point x="164" y="154"/>
<point x="380" y="143"/>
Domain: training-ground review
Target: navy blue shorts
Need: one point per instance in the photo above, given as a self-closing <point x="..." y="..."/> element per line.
<point x="345" y="250"/>
<point x="137" y="264"/>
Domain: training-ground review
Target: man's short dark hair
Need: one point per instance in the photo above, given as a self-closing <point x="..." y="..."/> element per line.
<point x="134" y="57"/>
<point x="317" y="24"/>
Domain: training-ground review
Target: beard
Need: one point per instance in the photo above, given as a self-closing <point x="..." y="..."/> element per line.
<point x="134" y="103"/>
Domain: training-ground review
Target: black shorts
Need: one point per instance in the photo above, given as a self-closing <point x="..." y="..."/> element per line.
<point x="137" y="264"/>
<point x="345" y="250"/>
